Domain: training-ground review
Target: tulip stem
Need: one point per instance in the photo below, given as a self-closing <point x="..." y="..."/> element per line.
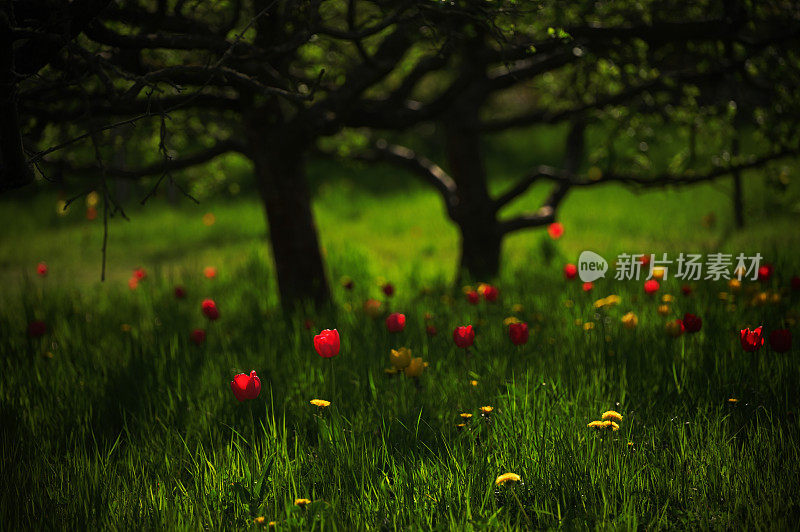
<point x="331" y="378"/>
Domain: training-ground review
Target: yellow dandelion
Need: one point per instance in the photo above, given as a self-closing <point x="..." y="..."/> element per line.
<point x="663" y="310"/>
<point x="259" y="520"/>
<point x="612" y="415"/>
<point x="613" y="299"/>
<point x="598" y="424"/>
<point x="486" y="410"/>
<point x="614" y="426"/>
<point x="588" y="326"/>
<point x="320" y="403"/>
<point x="507" y="477"/>
<point x="400" y="358"/>
<point x="302" y="502"/>
<point x="733" y="400"/>
<point x="734" y="285"/>
<point x="465" y="415"/>
<point x="509" y="320"/>
<point x="600" y="303"/>
<point x="667" y="298"/>
<point x="461" y="426"/>
<point x="415" y="367"/>
<point x="630" y="321"/>
<point x="473" y="382"/>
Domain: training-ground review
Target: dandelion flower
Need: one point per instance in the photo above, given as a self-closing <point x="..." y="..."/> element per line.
<point x="733" y="400"/>
<point x="630" y="321"/>
<point x="320" y="403"/>
<point x="465" y="415"/>
<point x="507" y="477"/>
<point x="486" y="410"/>
<point x="301" y="502"/>
<point x="598" y="424"/>
<point x="473" y="382"/>
<point x="588" y="326"/>
<point x="259" y="520"/>
<point x="663" y="310"/>
<point x="612" y="415"/>
<point x="666" y="298"/>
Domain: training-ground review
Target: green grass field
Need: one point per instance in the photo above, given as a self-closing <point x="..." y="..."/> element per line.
<point x="114" y="419"/>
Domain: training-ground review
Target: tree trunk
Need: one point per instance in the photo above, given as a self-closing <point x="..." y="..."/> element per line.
<point x="474" y="213"/>
<point x="279" y="164"/>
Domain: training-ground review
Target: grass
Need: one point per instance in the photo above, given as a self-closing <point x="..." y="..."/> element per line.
<point x="114" y="419"/>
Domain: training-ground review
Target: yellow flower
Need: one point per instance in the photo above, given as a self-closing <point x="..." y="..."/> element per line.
<point x="92" y="199"/>
<point x="461" y="426"/>
<point x="666" y="298"/>
<point x="400" y="358"/>
<point x="733" y="400"/>
<point x="607" y="301"/>
<point x="612" y="415"/>
<point x="614" y="426"/>
<point x="658" y="272"/>
<point x="598" y="424"/>
<point x="507" y="477"/>
<point x="320" y="403"/>
<point x="734" y="285"/>
<point x="509" y="320"/>
<point x="473" y="382"/>
<point x="723" y="296"/>
<point x="663" y="310"/>
<point x="588" y="326"/>
<point x="600" y="303"/>
<point x="486" y="410"/>
<point x="414" y="369"/>
<point x="630" y="321"/>
<point x="301" y="502"/>
<point x="465" y="415"/>
<point x="259" y="520"/>
<point x="516" y="308"/>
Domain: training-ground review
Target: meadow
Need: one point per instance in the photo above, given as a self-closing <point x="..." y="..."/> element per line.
<point x="116" y="418"/>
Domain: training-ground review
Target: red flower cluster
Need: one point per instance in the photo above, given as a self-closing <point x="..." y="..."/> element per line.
<point x="396" y="322"/>
<point x="246" y="386"/>
<point x="327" y="343"/>
<point x="209" y="309"/>
<point x="473" y="297"/>
<point x="518" y="332"/>
<point x="651" y="286"/>
<point x="464" y="336"/>
<point x="489" y="292"/>
<point x="751" y="340"/>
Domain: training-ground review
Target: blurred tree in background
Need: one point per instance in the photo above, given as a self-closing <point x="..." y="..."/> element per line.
<point x="182" y="83"/>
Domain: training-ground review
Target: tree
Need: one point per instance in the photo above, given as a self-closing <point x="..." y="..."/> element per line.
<point x="708" y="66"/>
<point x="266" y="79"/>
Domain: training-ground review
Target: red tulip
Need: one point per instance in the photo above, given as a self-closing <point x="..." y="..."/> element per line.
<point x="464" y="336"/>
<point x="41" y="269"/>
<point x="686" y="289"/>
<point x="246" y="386"/>
<point x="210" y="272"/>
<point x="139" y="273"/>
<point x="692" y="323"/>
<point x="210" y="309"/>
<point x="431" y="330"/>
<point x="796" y="283"/>
<point x="473" y="297"/>
<point x="587" y="287"/>
<point x="198" y="336"/>
<point x="180" y="292"/>
<point x="518" y="332"/>
<point x="555" y="230"/>
<point x="780" y="340"/>
<point x="765" y="272"/>
<point x="37" y="328"/>
<point x="489" y="292"/>
<point x="388" y="290"/>
<point x="570" y="271"/>
<point x="651" y="286"/>
<point x="396" y="322"/>
<point x="751" y="340"/>
<point x="133" y="283"/>
<point x="327" y="343"/>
